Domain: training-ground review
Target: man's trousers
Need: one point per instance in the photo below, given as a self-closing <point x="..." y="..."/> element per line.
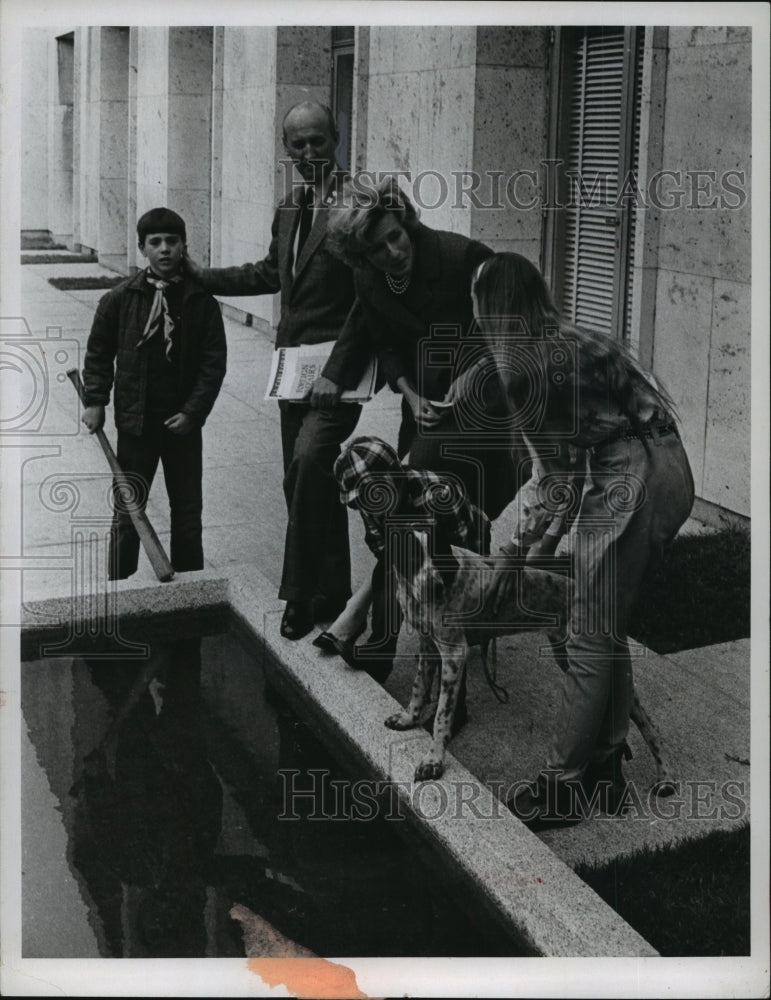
<point x="317" y="561"/>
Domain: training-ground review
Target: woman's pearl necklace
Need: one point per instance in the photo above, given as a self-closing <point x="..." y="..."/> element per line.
<point x="397" y="285"/>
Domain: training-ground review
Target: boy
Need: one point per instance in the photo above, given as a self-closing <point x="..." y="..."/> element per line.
<point x="161" y="338"/>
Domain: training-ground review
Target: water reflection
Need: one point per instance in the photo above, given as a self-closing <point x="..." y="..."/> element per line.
<point x="168" y="775"/>
<point x="149" y="806"/>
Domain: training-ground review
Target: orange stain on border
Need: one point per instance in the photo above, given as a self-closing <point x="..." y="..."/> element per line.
<point x="311" y="978"/>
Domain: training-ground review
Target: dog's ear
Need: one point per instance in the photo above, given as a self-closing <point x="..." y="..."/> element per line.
<point x="419" y="568"/>
<point x="416" y="551"/>
<point x="444" y="559"/>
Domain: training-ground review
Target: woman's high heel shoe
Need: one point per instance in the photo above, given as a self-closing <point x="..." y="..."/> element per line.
<point x="342" y="647"/>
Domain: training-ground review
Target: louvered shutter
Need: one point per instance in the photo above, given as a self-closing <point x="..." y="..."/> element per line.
<point x="600" y="116"/>
<point x="633" y="207"/>
<point x="343" y="70"/>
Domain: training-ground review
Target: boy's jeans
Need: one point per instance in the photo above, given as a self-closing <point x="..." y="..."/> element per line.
<point x="181" y="458"/>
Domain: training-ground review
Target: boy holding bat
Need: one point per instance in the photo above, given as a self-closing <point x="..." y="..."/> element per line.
<point x="160" y="338"/>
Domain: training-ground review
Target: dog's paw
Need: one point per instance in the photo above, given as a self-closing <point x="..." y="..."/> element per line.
<point x="429" y="770"/>
<point x="665" y="787"/>
<point x="400" y="720"/>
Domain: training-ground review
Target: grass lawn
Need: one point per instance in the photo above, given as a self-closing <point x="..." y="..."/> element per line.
<point x="58" y="258"/>
<point x="690" y="900"/>
<point x="699" y="596"/>
<point x="83" y="284"/>
<point x="40" y="242"/>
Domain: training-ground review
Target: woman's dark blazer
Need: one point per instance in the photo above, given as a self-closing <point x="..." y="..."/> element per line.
<point x="428" y="336"/>
<point x="436" y="309"/>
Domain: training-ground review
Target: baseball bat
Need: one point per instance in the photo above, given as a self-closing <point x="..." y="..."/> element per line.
<point x="147" y="536"/>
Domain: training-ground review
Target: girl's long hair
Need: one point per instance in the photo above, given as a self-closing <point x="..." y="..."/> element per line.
<point x="513" y="299"/>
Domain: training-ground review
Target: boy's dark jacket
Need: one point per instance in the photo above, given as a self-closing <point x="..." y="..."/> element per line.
<point x="120" y="320"/>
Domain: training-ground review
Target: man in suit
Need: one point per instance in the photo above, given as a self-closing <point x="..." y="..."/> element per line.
<point x="316" y="296"/>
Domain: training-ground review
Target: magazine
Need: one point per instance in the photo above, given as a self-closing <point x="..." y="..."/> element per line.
<point x="293" y="371"/>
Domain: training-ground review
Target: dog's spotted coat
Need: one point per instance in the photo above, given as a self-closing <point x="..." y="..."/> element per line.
<point x="444" y="599"/>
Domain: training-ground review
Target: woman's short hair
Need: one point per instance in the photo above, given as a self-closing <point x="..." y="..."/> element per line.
<point x="360" y="207"/>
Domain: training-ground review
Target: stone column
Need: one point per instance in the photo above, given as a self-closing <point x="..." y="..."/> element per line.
<point x="173" y="128"/>
<point x="37" y="69"/>
<point x="89" y="137"/>
<point x="79" y="131"/>
<point x="259" y="73"/>
<point x="152" y="112"/>
<point x="61" y="135"/>
<point x="113" y="111"/>
<point x="189" y="133"/>
<point x="243" y="156"/>
<point x="131" y="156"/>
<point x="303" y="73"/>
<point x="701" y="347"/>
<point x="510" y="137"/>
<point x="420" y="114"/>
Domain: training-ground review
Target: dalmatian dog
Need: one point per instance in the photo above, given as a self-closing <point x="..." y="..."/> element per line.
<point x="443" y="597"/>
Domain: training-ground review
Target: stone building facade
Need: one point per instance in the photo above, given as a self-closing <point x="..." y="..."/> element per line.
<point x="616" y="158"/>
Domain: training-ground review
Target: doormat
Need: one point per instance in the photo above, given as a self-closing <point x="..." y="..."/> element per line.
<point x="85" y="284"/>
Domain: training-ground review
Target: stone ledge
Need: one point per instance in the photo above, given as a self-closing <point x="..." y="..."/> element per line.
<point x="521" y="881"/>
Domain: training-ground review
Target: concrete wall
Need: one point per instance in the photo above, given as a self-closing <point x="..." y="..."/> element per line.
<point x="113" y="117"/>
<point x="455" y="99"/>
<point x="303" y="73"/>
<point x="131" y="153"/>
<point x="37" y="104"/>
<point x="510" y="133"/>
<point x="152" y="112"/>
<point x="420" y="112"/>
<point x="173" y="127"/>
<point x="86" y="168"/>
<point x="702" y="320"/>
<point x="60" y="147"/>
<point x="259" y="73"/>
<point x="100" y="153"/>
<point x="189" y="133"/>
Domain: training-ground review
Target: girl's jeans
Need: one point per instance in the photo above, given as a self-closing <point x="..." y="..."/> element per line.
<point x="633" y="503"/>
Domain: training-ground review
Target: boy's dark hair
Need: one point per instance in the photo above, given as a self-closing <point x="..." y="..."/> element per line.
<point x="160" y="220"/>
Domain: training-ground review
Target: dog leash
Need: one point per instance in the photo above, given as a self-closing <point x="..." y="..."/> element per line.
<point x="490" y="667"/>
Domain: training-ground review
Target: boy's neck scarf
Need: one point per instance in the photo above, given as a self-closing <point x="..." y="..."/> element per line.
<point x="159" y="312"/>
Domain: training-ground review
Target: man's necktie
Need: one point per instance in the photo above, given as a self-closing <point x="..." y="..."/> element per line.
<point x="159" y="317"/>
<point x="306" y="219"/>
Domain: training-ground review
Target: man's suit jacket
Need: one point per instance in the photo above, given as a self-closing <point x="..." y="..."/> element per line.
<point x="437" y="304"/>
<point x="316" y="296"/>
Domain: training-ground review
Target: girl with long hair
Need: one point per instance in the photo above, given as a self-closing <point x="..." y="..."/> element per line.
<point x="607" y="456"/>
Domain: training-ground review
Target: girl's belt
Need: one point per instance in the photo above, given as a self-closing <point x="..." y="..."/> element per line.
<point x="628" y="433"/>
